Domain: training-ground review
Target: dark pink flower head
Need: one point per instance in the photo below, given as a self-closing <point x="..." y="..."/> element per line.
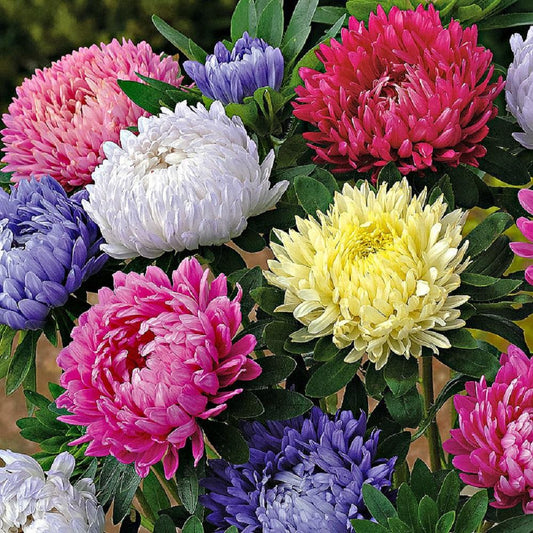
<point x="494" y="442"/>
<point x="525" y="249"/>
<point x="62" y="114"/>
<point x="405" y="89"/>
<point x="149" y="360"/>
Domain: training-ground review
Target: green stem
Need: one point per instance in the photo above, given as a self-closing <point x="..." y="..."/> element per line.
<point x="146" y="510"/>
<point x="432" y="432"/>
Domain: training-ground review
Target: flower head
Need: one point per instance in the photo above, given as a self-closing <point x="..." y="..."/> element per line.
<point x="519" y="87"/>
<point x="405" y="89"/>
<point x="35" y="502"/>
<point x="48" y="247"/>
<point x="494" y="442"/>
<point x="149" y="360"/>
<point x="60" y="117"/>
<point x="231" y="76"/>
<point x="525" y="249"/>
<point x="191" y="177"/>
<point x="304" y="474"/>
<point x="376" y="271"/>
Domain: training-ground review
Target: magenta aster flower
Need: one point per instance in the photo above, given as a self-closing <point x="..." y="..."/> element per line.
<point x="62" y="114"/>
<point x="149" y="360"/>
<point x="494" y="442"/>
<point x="525" y="249"/>
<point x="403" y="89"/>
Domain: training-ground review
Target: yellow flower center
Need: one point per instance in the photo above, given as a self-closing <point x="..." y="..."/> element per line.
<point x="363" y="241"/>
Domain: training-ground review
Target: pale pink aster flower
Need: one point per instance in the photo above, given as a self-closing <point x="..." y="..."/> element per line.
<point x="525" y="249"/>
<point x="494" y="443"/>
<point x="149" y="360"/>
<point x="62" y="114"/>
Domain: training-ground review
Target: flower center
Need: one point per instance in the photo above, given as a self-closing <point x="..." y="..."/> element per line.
<point x="359" y="242"/>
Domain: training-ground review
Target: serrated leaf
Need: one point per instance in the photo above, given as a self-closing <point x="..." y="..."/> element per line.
<point x="448" y="497"/>
<point x="298" y="29"/>
<point x="378" y="504"/>
<point x="400" y="374"/>
<point x="244" y="18"/>
<point x="405" y="409"/>
<point x="331" y="377"/>
<point x="245" y="405"/>
<point x="472" y="513"/>
<point x="227" y="441"/>
<point x="271" y="23"/>
<point x="312" y="194"/>
<point x="485" y="233"/>
<point x="282" y="404"/>
<point x="22" y="361"/>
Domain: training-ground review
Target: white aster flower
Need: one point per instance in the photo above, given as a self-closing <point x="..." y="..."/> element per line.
<point x="35" y="502"/>
<point x="190" y="178"/>
<point x="519" y="87"/>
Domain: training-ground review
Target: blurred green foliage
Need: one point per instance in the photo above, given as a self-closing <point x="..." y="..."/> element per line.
<point x="33" y="33"/>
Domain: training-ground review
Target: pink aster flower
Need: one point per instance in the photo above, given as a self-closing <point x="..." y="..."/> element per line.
<point x="403" y="89"/>
<point x="149" y="360"/>
<point x="525" y="249"/>
<point x="494" y="442"/>
<point x="62" y="114"/>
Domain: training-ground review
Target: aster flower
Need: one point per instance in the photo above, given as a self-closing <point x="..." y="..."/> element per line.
<point x="494" y="441"/>
<point x="149" y="360"/>
<point x="48" y="247"/>
<point x="376" y="272"/>
<point x="231" y="76"/>
<point x="62" y="114"/>
<point x="304" y="474"/>
<point x="190" y="178"/>
<point x="36" y="502"/>
<point x="525" y="249"/>
<point x="405" y="89"/>
<point x="519" y="87"/>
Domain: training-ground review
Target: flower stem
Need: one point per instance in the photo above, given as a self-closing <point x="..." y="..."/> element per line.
<point x="146" y="510"/>
<point x="432" y="432"/>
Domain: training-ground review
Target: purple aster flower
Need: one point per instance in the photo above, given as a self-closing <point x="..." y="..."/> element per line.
<point x="304" y="475"/>
<point x="48" y="247"/>
<point x="231" y="76"/>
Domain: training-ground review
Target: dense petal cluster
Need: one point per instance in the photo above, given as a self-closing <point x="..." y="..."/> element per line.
<point x="151" y="358"/>
<point x="37" y="502"/>
<point x="62" y="115"/>
<point x="519" y="87"/>
<point x="304" y="474"/>
<point x="403" y="89"/>
<point x="231" y="76"/>
<point x="190" y="178"/>
<point x="525" y="249"/>
<point x="494" y="442"/>
<point x="48" y="247"/>
<point x="376" y="272"/>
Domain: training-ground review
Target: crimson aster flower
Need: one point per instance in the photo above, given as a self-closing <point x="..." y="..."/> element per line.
<point x="494" y="442"/>
<point x="62" y="114"/>
<point x="403" y="89"/>
<point x="149" y="360"/>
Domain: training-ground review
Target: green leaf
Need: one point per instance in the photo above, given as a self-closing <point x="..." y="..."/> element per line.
<point x="389" y="174"/>
<point x="484" y="234"/>
<point x="149" y="98"/>
<point x="448" y="497"/>
<point x="396" y="444"/>
<point x="164" y="524"/>
<point x="503" y="165"/>
<point x="398" y="526"/>
<point x="227" y="441"/>
<point x="464" y="184"/>
<point x="328" y="14"/>
<point x="271" y="23"/>
<point x="495" y="260"/>
<point x="405" y="409"/>
<point x="507" y="20"/>
<point x="378" y="504"/>
<point x="365" y="526"/>
<point x="330" y="377"/>
<point x="326" y="178"/>
<point x="245" y="405"/>
<point x="445" y="522"/>
<point x="502" y="287"/>
<point x="154" y="492"/>
<point x="472" y="513"/>
<point x="6" y="344"/>
<point x="507" y="199"/>
<point x="361" y="9"/>
<point x="500" y="326"/>
<point x="127" y="485"/>
<point x="374" y="381"/>
<point x="268" y="298"/>
<point x="275" y="335"/>
<point x="185" y="45"/>
<point x="298" y="29"/>
<point x="401" y="374"/>
<point x="231" y="529"/>
<point x="250" y="241"/>
<point x="474" y="363"/>
<point x="325" y="350"/>
<point x="428" y="514"/>
<point x="422" y="482"/>
<point x="226" y="260"/>
<point x="462" y="338"/>
<point x="22" y="361"/>
<point x="407" y="506"/>
<point x="248" y="112"/>
<point x="244" y="18"/>
<point x="247" y="279"/>
<point x="283" y="217"/>
<point x="312" y="195"/>
<point x="275" y="368"/>
<point x="355" y="400"/>
<point x="131" y="526"/>
<point x="282" y="404"/>
<point x="187" y="480"/>
<point x="517" y="524"/>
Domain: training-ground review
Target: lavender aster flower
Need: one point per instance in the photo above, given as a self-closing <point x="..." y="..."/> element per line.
<point x="231" y="76"/>
<point x="304" y="475"/>
<point x="48" y="247"/>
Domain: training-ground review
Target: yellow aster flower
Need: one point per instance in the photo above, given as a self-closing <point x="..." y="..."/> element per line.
<point x="376" y="272"/>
